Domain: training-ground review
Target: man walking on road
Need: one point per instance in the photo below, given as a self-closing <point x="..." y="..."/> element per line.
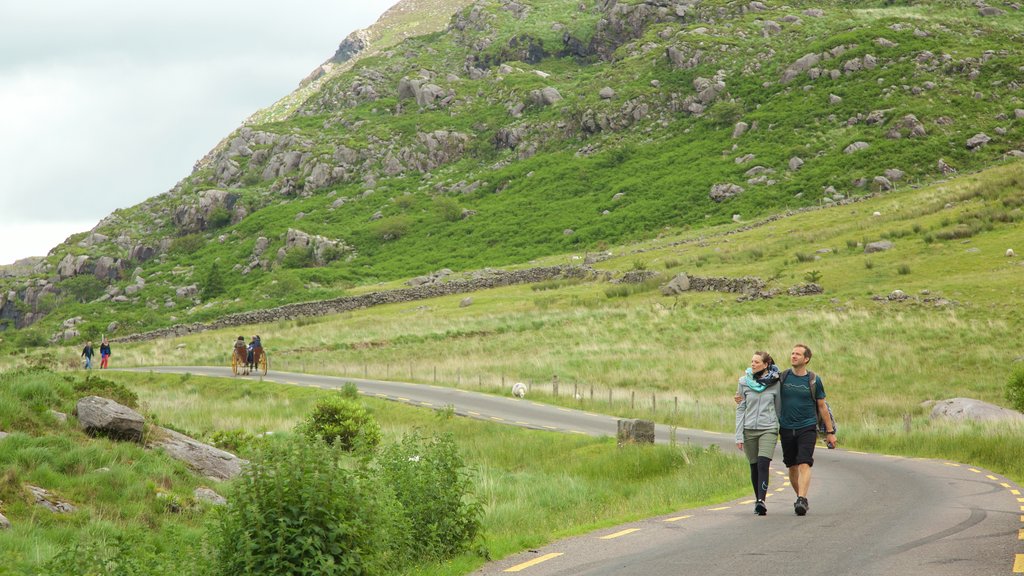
<point x="798" y="422"/>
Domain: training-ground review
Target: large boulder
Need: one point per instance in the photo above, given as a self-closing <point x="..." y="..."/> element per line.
<point x="635" y="432"/>
<point x="961" y="409"/>
<point x="103" y="417"/>
<point x="203" y="458"/>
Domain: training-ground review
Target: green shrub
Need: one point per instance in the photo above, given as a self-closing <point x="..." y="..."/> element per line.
<point x="432" y="484"/>
<point x="213" y="284"/>
<point x="869" y="264"/>
<point x="813" y="276"/>
<point x="1015" y="389"/>
<point x="804" y="257"/>
<point x="219" y="218"/>
<point x="343" y="422"/>
<point x="83" y="288"/>
<point x="94" y="386"/>
<point x="903" y="269"/>
<point x="298" y="257"/>
<point x="392" y="228"/>
<point x="448" y="209"/>
<point x="186" y="245"/>
<point x="131" y="555"/>
<point x="299" y="509"/>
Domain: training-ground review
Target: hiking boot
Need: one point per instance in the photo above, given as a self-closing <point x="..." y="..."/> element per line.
<point x="760" y="509"/>
<point x="801" y="506"/>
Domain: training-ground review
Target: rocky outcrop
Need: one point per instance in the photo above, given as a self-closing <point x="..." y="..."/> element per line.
<point x="197" y="216"/>
<point x="963" y="409"/>
<point x="323" y="250"/>
<point x="203" y="458"/>
<point x="103" y="417"/>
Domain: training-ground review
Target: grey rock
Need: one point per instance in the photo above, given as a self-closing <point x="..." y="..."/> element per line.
<point x="187" y="291"/>
<point x="814" y="12"/>
<point x="740" y="129"/>
<point x="894" y="174"/>
<point x="962" y="409"/>
<point x="897" y="295"/>
<point x="204" y="494"/>
<point x="635" y="432"/>
<point x="795" y="163"/>
<point x="678" y="285"/>
<point x="5" y="524"/>
<point x="606" y="93"/>
<point x="203" y="458"/>
<point x="103" y="417"/>
<point x="880" y="246"/>
<point x="46" y="500"/>
<point x="59" y="416"/>
<point x="466" y="302"/>
<point x="546" y="96"/>
<point x="882" y="183"/>
<point x="856" y="146"/>
<point x="977" y="141"/>
<point x="833" y="99"/>
<point x="989" y="11"/>
<point x="720" y="192"/>
<point x="944" y="168"/>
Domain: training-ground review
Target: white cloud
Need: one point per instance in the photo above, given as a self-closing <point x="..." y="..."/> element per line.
<point x="105" y="103"/>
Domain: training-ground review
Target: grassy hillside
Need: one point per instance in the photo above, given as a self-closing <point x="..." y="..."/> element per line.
<point x="463" y="165"/>
<point x="954" y="335"/>
<point x="136" y="512"/>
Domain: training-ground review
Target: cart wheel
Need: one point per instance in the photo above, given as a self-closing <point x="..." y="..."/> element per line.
<point x="264" y="363"/>
<point x="234" y="364"/>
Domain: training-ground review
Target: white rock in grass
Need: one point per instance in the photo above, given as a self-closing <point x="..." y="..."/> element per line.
<point x="1010" y="253"/>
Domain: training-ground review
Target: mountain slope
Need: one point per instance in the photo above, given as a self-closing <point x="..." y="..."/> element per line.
<point x="530" y="128"/>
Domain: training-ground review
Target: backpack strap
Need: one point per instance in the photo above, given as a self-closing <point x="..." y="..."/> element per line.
<point x="813" y="383"/>
<point x="782" y="376"/>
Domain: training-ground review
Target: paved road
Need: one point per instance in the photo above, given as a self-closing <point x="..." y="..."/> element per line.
<point x="871" y="515"/>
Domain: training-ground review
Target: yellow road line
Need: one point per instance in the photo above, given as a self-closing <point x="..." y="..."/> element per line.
<point x="953" y="464"/>
<point x="473" y="413"/>
<point x="621" y="533"/>
<point x="1015" y="492"/>
<point x="564" y="410"/>
<point x="1020" y="499"/>
<point x="855" y="452"/>
<point x="381" y="395"/>
<point x="1018" y="564"/>
<point x="400" y="399"/>
<point x="720" y="508"/>
<point x="678" y="518"/>
<point x="522" y="423"/>
<point x="498" y="419"/>
<point x="551" y="428"/>
<point x="534" y="562"/>
<point x="991" y="477"/>
<point x="975" y="470"/>
<point x="426" y="404"/>
<point x="577" y="432"/>
<point x="748" y="501"/>
<point x="1020" y="534"/>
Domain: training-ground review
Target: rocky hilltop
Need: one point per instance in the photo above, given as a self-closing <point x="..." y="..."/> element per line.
<point x="465" y="135"/>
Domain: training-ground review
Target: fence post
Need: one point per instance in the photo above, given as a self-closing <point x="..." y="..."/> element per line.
<point x="458" y="378"/>
<point x="632" y="399"/>
<point x="435" y="374"/>
<point x="906" y="423"/>
<point x="654" y="404"/>
<point x="366" y="370"/>
<point x="675" y="411"/>
<point x="609" y="397"/>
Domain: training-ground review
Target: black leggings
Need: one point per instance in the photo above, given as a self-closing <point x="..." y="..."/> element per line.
<point x="759" y="477"/>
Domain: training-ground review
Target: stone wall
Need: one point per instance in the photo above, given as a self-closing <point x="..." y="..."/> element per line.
<point x="346" y="303"/>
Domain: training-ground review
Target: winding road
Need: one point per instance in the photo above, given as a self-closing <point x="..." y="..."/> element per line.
<point x="870" y="515"/>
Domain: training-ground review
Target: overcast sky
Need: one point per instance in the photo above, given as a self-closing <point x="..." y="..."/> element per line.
<point x="104" y="103"/>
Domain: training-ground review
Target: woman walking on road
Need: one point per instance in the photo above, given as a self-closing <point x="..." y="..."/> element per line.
<point x="757" y="421"/>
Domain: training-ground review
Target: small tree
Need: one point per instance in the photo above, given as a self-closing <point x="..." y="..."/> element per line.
<point x="213" y="286"/>
<point x="1015" y="389"/>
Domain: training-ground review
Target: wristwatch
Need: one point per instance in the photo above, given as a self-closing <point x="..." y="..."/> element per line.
<point x="832" y="432"/>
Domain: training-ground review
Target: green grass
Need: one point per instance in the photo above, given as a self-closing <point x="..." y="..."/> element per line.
<point x="534" y="486"/>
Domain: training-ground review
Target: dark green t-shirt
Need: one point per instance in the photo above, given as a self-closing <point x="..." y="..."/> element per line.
<point x="798" y="409"/>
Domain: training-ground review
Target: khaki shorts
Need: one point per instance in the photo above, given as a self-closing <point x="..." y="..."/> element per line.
<point x="759" y="443"/>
